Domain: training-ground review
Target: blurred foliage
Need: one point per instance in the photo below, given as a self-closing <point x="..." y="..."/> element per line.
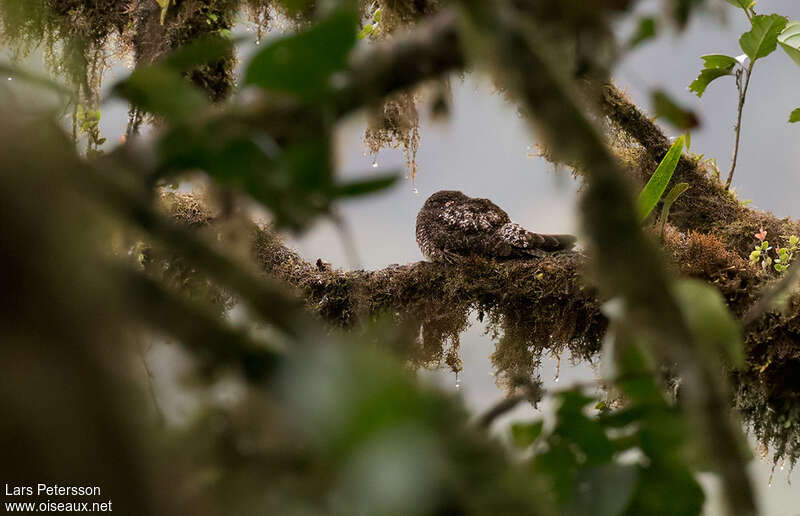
<point x="313" y="422"/>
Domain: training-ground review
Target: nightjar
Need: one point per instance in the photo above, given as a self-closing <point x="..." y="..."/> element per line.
<point x="452" y="225"/>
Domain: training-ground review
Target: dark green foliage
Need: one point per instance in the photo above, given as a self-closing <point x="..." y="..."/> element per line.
<point x="303" y="64"/>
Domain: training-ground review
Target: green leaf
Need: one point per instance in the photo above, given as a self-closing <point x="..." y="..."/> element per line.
<point x="706" y="77"/>
<point x="646" y="30"/>
<point x="164" y="7"/>
<point x="789" y="40"/>
<point x="366" y="31"/>
<point x="671" y="197"/>
<point x="302" y="64"/>
<point x="744" y="4"/>
<point x="200" y="52"/>
<point x="365" y="186"/>
<point x="714" y="67"/>
<point x="762" y="39"/>
<point x="710" y="320"/>
<point x="524" y="434"/>
<point x="665" y="107"/>
<point x="604" y="490"/>
<point x="163" y="91"/>
<point x="655" y="187"/>
<point x="673" y="194"/>
<point x="720" y="61"/>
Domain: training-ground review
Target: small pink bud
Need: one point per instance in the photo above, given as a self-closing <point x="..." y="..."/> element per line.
<point x="761" y="235"/>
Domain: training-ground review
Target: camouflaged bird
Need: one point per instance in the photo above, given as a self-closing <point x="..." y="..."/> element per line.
<point x="452" y="225"/>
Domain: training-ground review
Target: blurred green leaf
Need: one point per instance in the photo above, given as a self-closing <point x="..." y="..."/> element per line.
<point x="604" y="490"/>
<point x="303" y="64"/>
<point x="710" y="320"/>
<point x="524" y="434"/>
<point x="365" y="186"/>
<point x="682" y="9"/>
<point x="655" y="187"/>
<point x="365" y="31"/>
<point x="33" y="78"/>
<point x="794" y="117"/>
<point x="295" y="183"/>
<point x="789" y="40"/>
<point x="200" y="52"/>
<point x="762" y="39"/>
<point x="645" y="31"/>
<point x="161" y="90"/>
<point x="665" y="107"/>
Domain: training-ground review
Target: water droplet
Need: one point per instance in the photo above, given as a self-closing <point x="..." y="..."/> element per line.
<point x="375" y="164"/>
<point x="558" y="370"/>
<point x="9" y="78"/>
<point x="416" y="192"/>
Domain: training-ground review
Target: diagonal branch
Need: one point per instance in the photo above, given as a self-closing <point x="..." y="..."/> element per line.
<point x="628" y="266"/>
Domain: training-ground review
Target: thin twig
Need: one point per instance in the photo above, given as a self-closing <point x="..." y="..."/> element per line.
<point x="532" y="392"/>
<point x="151" y="387"/>
<point x="738" y="129"/>
<point x="348" y="242"/>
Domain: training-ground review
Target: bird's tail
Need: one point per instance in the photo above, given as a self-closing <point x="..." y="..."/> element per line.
<point x="553" y="242"/>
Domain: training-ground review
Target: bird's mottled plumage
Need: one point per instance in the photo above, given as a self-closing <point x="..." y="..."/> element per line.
<point x="452" y="225"/>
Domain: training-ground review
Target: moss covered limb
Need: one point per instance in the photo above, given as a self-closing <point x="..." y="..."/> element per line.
<point x="540" y="305"/>
<point x="532" y="305"/>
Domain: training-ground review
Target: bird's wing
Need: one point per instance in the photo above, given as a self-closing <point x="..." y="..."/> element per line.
<point x="472" y="217"/>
